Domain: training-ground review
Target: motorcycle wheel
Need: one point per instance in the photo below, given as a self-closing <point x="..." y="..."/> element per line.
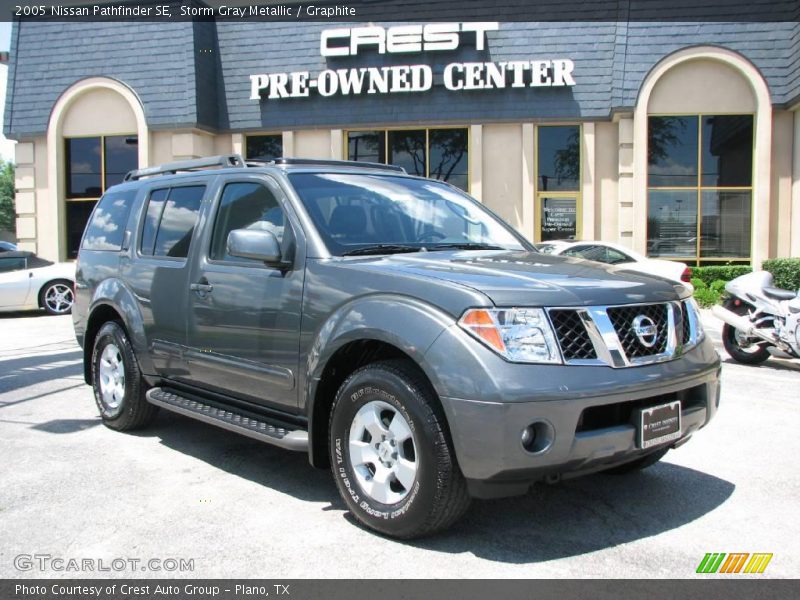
<point x="741" y="348"/>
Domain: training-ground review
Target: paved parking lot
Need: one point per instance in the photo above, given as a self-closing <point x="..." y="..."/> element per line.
<point x="71" y="488"/>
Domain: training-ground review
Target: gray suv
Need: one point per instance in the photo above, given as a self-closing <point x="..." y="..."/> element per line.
<point x="390" y="326"/>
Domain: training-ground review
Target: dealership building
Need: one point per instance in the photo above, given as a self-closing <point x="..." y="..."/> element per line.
<point x="679" y="140"/>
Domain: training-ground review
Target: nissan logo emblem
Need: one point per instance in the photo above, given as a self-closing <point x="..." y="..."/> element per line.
<point x="645" y="330"/>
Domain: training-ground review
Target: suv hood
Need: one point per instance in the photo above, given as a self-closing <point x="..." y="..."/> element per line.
<point x="532" y="279"/>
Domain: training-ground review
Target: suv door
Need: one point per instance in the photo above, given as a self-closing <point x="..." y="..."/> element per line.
<point x="158" y="269"/>
<point x="15" y="281"/>
<point x="244" y="316"/>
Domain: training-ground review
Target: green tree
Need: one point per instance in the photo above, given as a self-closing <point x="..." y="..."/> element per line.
<point x="7" y="212"/>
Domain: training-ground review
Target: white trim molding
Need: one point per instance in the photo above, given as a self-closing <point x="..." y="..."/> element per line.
<point x="762" y="146"/>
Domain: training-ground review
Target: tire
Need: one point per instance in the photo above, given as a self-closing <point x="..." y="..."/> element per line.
<point x="119" y="389"/>
<point x="57" y="297"/>
<point x="638" y="464"/>
<point x="381" y="491"/>
<point x="752" y="353"/>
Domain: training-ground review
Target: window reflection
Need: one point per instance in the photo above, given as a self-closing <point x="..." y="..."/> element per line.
<point x="448" y="156"/>
<point x="727" y="151"/>
<point x="122" y="156"/>
<point x="445" y="157"/>
<point x="245" y="206"/>
<point x="703" y="154"/>
<point x="77" y="216"/>
<point x="264" y="147"/>
<point x="726" y="224"/>
<point x="356" y="210"/>
<point x="407" y="150"/>
<point x="672" y="223"/>
<point x="559" y="159"/>
<point x="367" y="146"/>
<point x="177" y="222"/>
<point x="84" y="168"/>
<point x="672" y="151"/>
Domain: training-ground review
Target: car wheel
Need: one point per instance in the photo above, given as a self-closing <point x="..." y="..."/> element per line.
<point x="57" y="297"/>
<point x="119" y="388"/>
<point x="638" y="464"/>
<point x="391" y="455"/>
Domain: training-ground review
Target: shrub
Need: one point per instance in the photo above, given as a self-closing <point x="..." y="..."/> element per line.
<point x="706" y="297"/>
<point x="698" y="283"/>
<point x="718" y="286"/>
<point x="722" y="273"/>
<point x="786" y="272"/>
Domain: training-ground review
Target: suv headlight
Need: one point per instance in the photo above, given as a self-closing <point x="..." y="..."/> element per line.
<point x="700" y="333"/>
<point x="516" y="334"/>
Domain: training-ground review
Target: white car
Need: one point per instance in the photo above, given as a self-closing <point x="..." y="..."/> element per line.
<point x="614" y="254"/>
<point x="28" y="282"/>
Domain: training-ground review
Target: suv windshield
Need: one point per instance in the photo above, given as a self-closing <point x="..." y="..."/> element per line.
<point x="384" y="214"/>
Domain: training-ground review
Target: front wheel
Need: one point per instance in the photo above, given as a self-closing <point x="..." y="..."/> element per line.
<point x="390" y="452"/>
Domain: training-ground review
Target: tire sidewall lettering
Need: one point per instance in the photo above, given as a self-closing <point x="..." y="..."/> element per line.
<point x="363" y="394"/>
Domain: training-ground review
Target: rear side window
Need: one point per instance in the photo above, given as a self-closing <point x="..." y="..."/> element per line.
<point x="245" y="205"/>
<point x="11" y="264"/>
<point x="106" y="227"/>
<point x="170" y="221"/>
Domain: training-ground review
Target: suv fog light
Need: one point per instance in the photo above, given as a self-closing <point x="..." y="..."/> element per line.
<point x="537" y="437"/>
<point x="528" y="435"/>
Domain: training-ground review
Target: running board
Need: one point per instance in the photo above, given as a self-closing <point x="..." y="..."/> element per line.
<point x="232" y="421"/>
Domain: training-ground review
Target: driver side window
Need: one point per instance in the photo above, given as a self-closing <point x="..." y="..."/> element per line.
<point x="245" y="205"/>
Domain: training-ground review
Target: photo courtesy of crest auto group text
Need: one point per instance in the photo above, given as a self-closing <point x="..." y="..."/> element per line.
<point x="442" y="297"/>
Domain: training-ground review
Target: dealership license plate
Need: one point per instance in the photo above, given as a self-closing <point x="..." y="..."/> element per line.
<point x="659" y="424"/>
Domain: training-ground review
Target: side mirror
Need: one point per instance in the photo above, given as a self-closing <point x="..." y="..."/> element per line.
<point x="257" y="244"/>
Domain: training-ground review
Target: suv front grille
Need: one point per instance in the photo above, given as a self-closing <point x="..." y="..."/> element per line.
<point x="572" y="335"/>
<point x="686" y="326"/>
<point x="622" y="336"/>
<point x="623" y="318"/>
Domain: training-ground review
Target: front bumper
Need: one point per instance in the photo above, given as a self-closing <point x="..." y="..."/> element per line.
<point x="588" y="408"/>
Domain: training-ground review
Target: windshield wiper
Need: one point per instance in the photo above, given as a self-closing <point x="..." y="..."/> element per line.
<point x="383" y="249"/>
<point x="466" y="246"/>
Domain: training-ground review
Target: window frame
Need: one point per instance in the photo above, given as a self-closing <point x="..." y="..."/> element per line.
<point x="539" y="195"/>
<point x="427" y="129"/>
<point x="277" y="191"/>
<point x="143" y="218"/>
<point x="103" y="189"/>
<point x="698" y="259"/>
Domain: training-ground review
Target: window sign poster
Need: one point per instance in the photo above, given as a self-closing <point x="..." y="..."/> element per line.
<point x="559" y="219"/>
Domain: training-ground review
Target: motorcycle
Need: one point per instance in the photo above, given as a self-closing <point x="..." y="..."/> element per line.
<point x="758" y="315"/>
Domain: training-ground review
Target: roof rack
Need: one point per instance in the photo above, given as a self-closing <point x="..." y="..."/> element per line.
<point x="330" y="163"/>
<point x="224" y="161"/>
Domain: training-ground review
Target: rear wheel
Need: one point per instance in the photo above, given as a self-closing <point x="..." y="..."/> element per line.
<point x="741" y="348"/>
<point x="119" y="389"/>
<point x="57" y="297"/>
<point x="390" y="452"/>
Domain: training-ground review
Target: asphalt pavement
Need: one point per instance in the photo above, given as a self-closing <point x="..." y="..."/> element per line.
<point x="203" y="502"/>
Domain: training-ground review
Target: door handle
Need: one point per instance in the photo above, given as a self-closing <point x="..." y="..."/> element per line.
<point x="202" y="288"/>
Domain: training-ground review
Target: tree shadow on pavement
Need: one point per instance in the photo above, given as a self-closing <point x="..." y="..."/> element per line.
<point x="21" y="372"/>
<point x="583" y="515"/>
<point x="270" y="466"/>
